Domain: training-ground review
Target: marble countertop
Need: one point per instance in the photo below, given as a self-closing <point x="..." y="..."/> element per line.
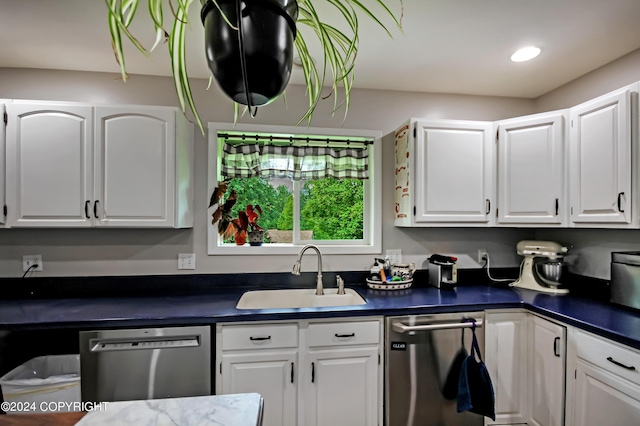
<point x="218" y="305"/>
<point x="237" y="410"/>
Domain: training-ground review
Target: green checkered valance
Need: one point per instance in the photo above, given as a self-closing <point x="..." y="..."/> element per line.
<point x="299" y="159"/>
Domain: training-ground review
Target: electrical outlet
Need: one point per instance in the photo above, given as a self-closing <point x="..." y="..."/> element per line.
<point x="186" y="261"/>
<point x="395" y="256"/>
<point x="32" y="259"/>
<point x="482" y="254"/>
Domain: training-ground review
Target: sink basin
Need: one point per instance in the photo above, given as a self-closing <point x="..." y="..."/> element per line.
<point x="297" y="298"/>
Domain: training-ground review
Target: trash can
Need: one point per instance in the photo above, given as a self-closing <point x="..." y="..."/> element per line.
<point x="43" y="384"/>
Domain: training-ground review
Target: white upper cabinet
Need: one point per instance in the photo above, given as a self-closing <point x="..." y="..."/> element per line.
<point x="444" y="173"/>
<point x="76" y="165"/>
<point x="531" y="170"/>
<point x="49" y="165"/>
<point x="3" y="117"/>
<point x="601" y="160"/>
<point x="135" y="166"/>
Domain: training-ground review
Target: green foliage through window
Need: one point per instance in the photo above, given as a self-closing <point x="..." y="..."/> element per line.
<point x="332" y="208"/>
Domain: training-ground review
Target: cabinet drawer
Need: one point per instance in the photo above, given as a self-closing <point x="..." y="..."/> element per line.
<point x="265" y="336"/>
<point x="609" y="356"/>
<point x="344" y="333"/>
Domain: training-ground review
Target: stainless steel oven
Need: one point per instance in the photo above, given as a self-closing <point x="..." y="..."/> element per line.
<point x="147" y="363"/>
<point x="420" y="350"/>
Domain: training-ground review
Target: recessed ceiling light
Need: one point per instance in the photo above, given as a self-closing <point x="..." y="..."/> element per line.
<point x="525" y="54"/>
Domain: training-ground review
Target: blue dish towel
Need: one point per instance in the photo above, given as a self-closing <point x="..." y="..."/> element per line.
<point x="475" y="390"/>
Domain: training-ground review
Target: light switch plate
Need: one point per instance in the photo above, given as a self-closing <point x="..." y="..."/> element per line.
<point x="186" y="261"/>
<point x="395" y="256"/>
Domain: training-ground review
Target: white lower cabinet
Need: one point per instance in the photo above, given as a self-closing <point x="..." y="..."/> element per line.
<point x="607" y="388"/>
<point x="547" y="372"/>
<point x="319" y="372"/>
<point x="343" y="388"/>
<point x="269" y="373"/>
<point x="525" y="356"/>
<point x="506" y="357"/>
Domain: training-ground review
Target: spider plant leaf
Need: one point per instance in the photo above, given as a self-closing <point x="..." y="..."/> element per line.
<point x="155" y="10"/>
<point x="129" y="8"/>
<point x="224" y="16"/>
<point x="116" y="40"/>
<point x="178" y="60"/>
<point x="116" y="14"/>
<point x="364" y="9"/>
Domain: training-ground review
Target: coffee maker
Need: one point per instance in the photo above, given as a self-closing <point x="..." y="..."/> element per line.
<point x="542" y="266"/>
<point x="443" y="271"/>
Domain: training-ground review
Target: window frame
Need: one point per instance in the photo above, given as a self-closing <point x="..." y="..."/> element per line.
<point x="372" y="198"/>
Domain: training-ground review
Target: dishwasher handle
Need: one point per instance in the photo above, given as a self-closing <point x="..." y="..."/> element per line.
<point x="468" y="323"/>
<point x="108" y="345"/>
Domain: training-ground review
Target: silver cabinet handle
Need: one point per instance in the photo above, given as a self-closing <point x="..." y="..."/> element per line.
<point x="403" y="328"/>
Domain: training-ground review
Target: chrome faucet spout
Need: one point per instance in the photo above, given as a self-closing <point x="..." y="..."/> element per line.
<point x="297" y="265"/>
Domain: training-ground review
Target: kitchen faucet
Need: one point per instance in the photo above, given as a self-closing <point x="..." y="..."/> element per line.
<point x="297" y="266"/>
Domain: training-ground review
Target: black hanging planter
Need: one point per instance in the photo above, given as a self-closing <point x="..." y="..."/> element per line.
<point x="252" y="65"/>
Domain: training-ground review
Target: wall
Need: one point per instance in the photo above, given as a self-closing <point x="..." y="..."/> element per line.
<point x="94" y="252"/>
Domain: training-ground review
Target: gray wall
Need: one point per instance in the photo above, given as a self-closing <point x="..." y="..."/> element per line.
<point x="94" y="252"/>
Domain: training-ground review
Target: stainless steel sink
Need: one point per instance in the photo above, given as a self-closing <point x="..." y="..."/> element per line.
<point x="298" y="298"/>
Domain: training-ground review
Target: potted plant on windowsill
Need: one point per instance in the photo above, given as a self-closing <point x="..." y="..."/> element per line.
<point x="238" y="228"/>
<point x="230" y="52"/>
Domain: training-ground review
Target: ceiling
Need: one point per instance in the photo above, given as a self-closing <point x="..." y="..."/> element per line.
<point x="447" y="46"/>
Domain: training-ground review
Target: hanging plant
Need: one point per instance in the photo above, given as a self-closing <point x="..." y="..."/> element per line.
<point x="339" y="47"/>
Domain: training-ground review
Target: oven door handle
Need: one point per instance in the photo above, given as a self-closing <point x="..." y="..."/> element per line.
<point x="403" y="328"/>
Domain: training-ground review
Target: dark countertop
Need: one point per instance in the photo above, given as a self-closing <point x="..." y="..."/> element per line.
<point x="218" y="305"/>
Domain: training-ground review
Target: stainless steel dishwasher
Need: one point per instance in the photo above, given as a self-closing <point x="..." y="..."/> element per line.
<point x="419" y="351"/>
<point x="146" y="363"/>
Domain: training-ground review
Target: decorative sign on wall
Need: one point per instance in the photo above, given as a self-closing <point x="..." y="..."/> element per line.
<point x="402" y="208"/>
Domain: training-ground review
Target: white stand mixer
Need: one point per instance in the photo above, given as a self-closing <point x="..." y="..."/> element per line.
<point x="530" y="276"/>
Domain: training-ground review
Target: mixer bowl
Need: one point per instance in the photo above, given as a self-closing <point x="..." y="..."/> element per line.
<point x="550" y="271"/>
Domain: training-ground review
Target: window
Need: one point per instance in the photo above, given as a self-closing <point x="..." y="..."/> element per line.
<point x="312" y="186"/>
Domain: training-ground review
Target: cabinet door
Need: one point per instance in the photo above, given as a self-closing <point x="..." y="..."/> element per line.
<point x="600" y="160"/>
<point x="49" y="165"/>
<point x="454" y="172"/>
<point x="342" y="387"/>
<point x="531" y="182"/>
<point x="272" y="374"/>
<point x="604" y="399"/>
<point x="3" y="112"/>
<point x="135" y="166"/>
<point x="547" y="379"/>
<point x="506" y="338"/>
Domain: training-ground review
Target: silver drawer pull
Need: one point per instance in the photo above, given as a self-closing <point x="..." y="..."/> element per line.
<point x="345" y="335"/>
<point x="403" y="328"/>
<point x="619" y="364"/>
<point x="256" y="339"/>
